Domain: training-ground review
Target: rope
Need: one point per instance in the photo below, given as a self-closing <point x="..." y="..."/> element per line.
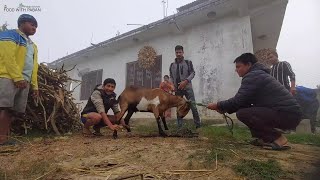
<point x="230" y="125"/>
<point x="225" y="116"/>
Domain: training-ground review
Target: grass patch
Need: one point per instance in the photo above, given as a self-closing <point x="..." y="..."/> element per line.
<point x="242" y="134"/>
<point x="262" y="170"/>
<point x="3" y="175"/>
<point x="145" y="129"/>
<point x="152" y="128"/>
<point x="223" y="133"/>
<point x="304" y="139"/>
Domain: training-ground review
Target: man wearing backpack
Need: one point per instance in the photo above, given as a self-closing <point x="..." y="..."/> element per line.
<point x="307" y="98"/>
<point x="181" y="74"/>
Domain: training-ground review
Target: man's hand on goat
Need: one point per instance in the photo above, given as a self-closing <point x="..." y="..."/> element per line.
<point x="183" y="84"/>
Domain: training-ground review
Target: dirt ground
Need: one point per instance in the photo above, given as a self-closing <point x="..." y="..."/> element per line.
<point x="76" y="157"/>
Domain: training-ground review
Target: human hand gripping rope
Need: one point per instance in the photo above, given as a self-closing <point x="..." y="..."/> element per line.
<point x="225" y="116"/>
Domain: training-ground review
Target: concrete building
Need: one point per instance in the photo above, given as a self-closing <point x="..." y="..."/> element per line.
<point x="213" y="33"/>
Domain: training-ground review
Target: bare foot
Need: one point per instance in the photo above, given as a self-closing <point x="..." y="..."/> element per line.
<point x="86" y="132"/>
<point x="281" y="141"/>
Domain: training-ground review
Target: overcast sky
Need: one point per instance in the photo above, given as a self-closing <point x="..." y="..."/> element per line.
<point x="66" y="26"/>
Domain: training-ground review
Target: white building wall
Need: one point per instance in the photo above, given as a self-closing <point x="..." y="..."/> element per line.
<point x="212" y="47"/>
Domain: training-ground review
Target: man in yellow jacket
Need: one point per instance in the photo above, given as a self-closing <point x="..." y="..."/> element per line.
<point x="18" y="70"/>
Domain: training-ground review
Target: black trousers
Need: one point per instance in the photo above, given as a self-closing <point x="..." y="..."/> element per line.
<point x="262" y="121"/>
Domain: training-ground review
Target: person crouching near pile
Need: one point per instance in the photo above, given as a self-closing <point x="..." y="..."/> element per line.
<point x="95" y="112"/>
<point x="262" y="103"/>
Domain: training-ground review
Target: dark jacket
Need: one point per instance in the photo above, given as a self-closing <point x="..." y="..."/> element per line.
<point x="100" y="102"/>
<point x="259" y="89"/>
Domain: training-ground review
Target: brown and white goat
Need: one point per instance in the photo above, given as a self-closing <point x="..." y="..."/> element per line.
<point x="157" y="101"/>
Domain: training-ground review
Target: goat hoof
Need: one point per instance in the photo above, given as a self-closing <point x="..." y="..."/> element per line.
<point x="129" y="134"/>
<point x="115" y="135"/>
<point x="163" y="135"/>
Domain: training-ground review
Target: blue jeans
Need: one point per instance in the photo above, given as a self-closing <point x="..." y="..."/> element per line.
<point x="190" y="96"/>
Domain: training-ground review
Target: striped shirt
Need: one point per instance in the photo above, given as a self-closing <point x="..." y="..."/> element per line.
<point x="281" y="71"/>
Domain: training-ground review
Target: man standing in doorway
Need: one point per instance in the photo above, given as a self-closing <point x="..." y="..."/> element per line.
<point x="181" y="74"/>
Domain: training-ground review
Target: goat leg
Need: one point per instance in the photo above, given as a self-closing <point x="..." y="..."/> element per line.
<point x="121" y="121"/>
<point x="161" y="132"/>
<point x="115" y="134"/>
<point x="164" y="122"/>
<point x="126" y="120"/>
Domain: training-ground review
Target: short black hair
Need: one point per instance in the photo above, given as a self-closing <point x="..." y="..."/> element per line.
<point x="27" y="18"/>
<point x="246" y="58"/>
<point x="178" y="47"/>
<point x="165" y="76"/>
<point x="109" y="81"/>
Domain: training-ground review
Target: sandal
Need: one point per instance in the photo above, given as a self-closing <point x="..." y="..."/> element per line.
<point x="276" y="147"/>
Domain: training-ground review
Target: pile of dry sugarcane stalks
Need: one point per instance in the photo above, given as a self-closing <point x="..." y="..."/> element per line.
<point x="54" y="109"/>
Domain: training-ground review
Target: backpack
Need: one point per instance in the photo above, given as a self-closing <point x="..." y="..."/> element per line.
<point x="189" y="66"/>
<point x="305" y="95"/>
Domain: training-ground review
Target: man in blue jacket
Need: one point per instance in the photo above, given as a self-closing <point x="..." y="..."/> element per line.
<point x="262" y="103"/>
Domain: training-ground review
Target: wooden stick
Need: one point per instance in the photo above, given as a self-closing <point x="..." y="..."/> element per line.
<point x="176" y="173"/>
<point x="16" y="139"/>
<point x="192" y="170"/>
<point x="45" y="174"/>
<point x="76" y="86"/>
<point x="52" y="120"/>
<point x="129" y="176"/>
<point x="24" y="138"/>
<point x="234" y="152"/>
<point x="202" y="175"/>
<point x="216" y="161"/>
<point x="108" y="176"/>
<point x="44" y="115"/>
